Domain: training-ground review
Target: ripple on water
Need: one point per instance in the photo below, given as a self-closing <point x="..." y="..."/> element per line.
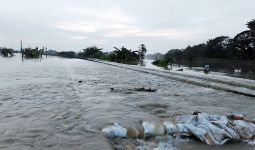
<point x="46" y="108"/>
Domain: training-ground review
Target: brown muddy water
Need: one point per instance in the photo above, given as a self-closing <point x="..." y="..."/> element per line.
<point x="43" y="106"/>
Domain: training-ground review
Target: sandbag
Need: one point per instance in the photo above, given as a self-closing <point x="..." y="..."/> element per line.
<point x="153" y="128"/>
<point x="115" y="131"/>
<point x="210" y="129"/>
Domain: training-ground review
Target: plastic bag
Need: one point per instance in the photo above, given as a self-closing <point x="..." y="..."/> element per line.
<point x="115" y="131"/>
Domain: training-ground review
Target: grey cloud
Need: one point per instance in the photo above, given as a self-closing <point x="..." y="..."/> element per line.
<point x="160" y="24"/>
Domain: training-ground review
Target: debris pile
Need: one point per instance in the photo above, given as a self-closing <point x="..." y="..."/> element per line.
<point x="142" y="89"/>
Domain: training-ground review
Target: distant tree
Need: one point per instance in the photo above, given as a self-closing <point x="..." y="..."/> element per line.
<point x="193" y="52"/>
<point x="125" y="56"/>
<point x="80" y="54"/>
<point x="91" y="52"/>
<point x="232" y="51"/>
<point x="141" y="52"/>
<point x="6" y="52"/>
<point x="106" y="56"/>
<point x="68" y="54"/>
<point x="241" y="47"/>
<point x="215" y="48"/>
<point x="251" y="25"/>
<point x="174" y="55"/>
<point x="245" y="42"/>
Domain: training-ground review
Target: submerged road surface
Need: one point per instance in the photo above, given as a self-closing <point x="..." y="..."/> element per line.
<point x="44" y="106"/>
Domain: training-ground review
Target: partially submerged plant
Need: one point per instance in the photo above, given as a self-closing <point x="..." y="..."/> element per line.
<point x="32" y="52"/>
<point x="162" y="63"/>
<point x="6" y="52"/>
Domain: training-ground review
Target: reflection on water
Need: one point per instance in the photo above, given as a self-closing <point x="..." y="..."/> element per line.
<point x="43" y="106"/>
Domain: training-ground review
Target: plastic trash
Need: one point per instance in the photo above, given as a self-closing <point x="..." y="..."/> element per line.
<point x="215" y="129"/>
<point x="153" y="128"/>
<point x="170" y="128"/>
<point x="246" y="130"/>
<point x="115" y="131"/>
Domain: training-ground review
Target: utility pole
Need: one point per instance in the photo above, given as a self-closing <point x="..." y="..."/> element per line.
<point x="21" y="50"/>
<point x="21" y="46"/>
<point x="46" y="52"/>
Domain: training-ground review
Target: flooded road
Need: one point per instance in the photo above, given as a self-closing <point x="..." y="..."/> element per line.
<point x="43" y="106"/>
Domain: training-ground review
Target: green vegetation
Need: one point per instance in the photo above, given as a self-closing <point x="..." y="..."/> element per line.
<point x="141" y="53"/>
<point x="91" y="52"/>
<point x="162" y="63"/>
<point x="32" y="52"/>
<point x="119" y="55"/>
<point x="241" y="47"/>
<point x="69" y="54"/>
<point x="6" y="52"/>
<point x="106" y="56"/>
<point x="122" y="55"/>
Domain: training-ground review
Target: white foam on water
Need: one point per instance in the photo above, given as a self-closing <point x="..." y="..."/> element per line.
<point x="161" y="143"/>
<point x="165" y="146"/>
<point x="252" y="142"/>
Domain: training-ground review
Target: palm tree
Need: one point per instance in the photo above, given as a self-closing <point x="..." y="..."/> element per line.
<point x="125" y="56"/>
<point x="141" y="52"/>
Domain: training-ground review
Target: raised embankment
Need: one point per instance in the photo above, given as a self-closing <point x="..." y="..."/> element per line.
<point x="229" y="84"/>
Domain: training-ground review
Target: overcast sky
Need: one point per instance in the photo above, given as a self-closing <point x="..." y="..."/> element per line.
<point x="160" y="24"/>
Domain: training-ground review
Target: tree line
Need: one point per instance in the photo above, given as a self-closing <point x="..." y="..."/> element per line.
<point x="26" y="52"/>
<point x="241" y="47"/>
<point x="119" y="55"/>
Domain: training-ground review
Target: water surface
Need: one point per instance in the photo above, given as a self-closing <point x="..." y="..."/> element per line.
<point x="43" y="106"/>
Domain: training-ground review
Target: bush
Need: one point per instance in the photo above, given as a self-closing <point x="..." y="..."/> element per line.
<point x="6" y="52"/>
<point x="91" y="52"/>
<point x="161" y="63"/>
<point x="125" y="56"/>
<point x="32" y="52"/>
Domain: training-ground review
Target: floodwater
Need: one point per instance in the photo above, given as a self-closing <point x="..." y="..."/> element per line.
<point x="43" y="106"/>
<point x="238" y="71"/>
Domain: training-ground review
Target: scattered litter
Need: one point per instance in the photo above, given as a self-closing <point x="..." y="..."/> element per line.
<point x="132" y="90"/>
<point x="143" y="89"/>
<point x="126" y="91"/>
<point x="180" y="69"/>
